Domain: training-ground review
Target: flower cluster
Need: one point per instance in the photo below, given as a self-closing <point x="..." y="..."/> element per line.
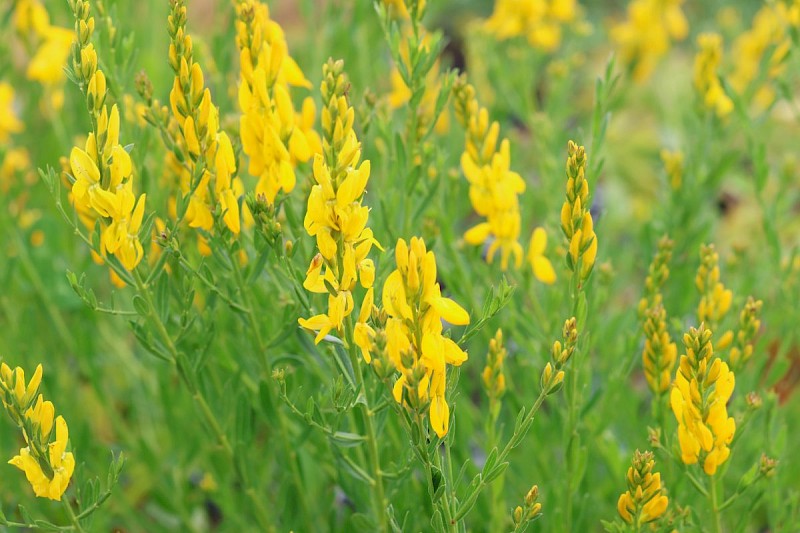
<point x="673" y="165"/>
<point x="203" y="151"/>
<point x="769" y="34"/>
<point x="706" y="79"/>
<point x="660" y="353"/>
<point x="644" y="501"/>
<point x="102" y="171"/>
<point x="494" y="380"/>
<point x="494" y="188"/>
<point x="647" y="34"/>
<point x="274" y="136"/>
<point x="749" y="324"/>
<point x="531" y="511"/>
<point x="51" y="44"/>
<point x="576" y="219"/>
<point x="703" y="385"/>
<point x="552" y="376"/>
<point x="416" y="346"/>
<point x="715" y="299"/>
<point x="335" y="215"/>
<point x="47" y="465"/>
<point x="540" y="21"/>
<point x="9" y="123"/>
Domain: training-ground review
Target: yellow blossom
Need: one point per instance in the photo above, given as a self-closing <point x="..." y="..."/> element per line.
<point x="48" y="466"/>
<point x="703" y="385"/>
<point x="9" y="123"/>
<point x="542" y="268"/>
<point x="706" y="79"/>
<point x="336" y="217"/>
<point x="644" y="501"/>
<point x="673" y="165"/>
<point x="207" y="151"/>
<point x="769" y="33"/>
<point x="494" y="188"/>
<point x="576" y="219"/>
<point x="647" y="34"/>
<point x="102" y="172"/>
<point x="416" y="346"/>
<point x="715" y="299"/>
<point x="540" y="21"/>
<point x="273" y="135"/>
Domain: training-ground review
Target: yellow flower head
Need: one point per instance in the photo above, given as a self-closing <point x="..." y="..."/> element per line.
<point x="336" y="217"/>
<point x="9" y="123"/>
<point x="494" y="380"/>
<point x="274" y="136"/>
<point x="494" y="188"/>
<point x="542" y="268"/>
<point x="416" y="308"/>
<point x="47" y="465"/>
<point x="706" y="79"/>
<point x="576" y="219"/>
<point x="703" y="385"/>
<point x="715" y="299"/>
<point x="540" y="21"/>
<point x="206" y="150"/>
<point x="647" y="34"/>
<point x="644" y="501"/>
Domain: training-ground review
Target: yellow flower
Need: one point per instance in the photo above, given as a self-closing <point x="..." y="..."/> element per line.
<point x="715" y="299"/>
<point x="9" y="123"/>
<point x="47" y="465"/>
<point x="206" y="150"/>
<point x="673" y="165"/>
<point x="706" y="79"/>
<point x="494" y="380"/>
<point x="61" y="462"/>
<point x="769" y="33"/>
<point x="47" y="65"/>
<point x="660" y="353"/>
<point x="416" y="347"/>
<point x="647" y="34"/>
<point x="102" y="185"/>
<point x="644" y="501"/>
<point x="336" y="217"/>
<point x="494" y="188"/>
<point x="703" y="385"/>
<point x="749" y="324"/>
<point x="538" y="20"/>
<point x="273" y="135"/>
<point x="576" y="219"/>
<point x="542" y="268"/>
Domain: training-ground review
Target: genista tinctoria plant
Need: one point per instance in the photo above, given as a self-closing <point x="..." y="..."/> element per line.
<point x="399" y="265"/>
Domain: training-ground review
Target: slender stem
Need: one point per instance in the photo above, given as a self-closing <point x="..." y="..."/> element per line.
<point x="71" y="514"/>
<point x="513" y="442"/>
<point x="291" y="455"/>
<point x="222" y="439"/>
<point x="450" y="522"/>
<point x="379" y="499"/>
<point x="714" y="506"/>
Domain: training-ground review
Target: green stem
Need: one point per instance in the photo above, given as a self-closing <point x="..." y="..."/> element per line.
<point x="379" y="499"/>
<point x="714" y="506"/>
<point x="177" y="360"/>
<point x="519" y="433"/>
<point x="71" y="514"/>
<point x="446" y="505"/>
<point x="291" y="455"/>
